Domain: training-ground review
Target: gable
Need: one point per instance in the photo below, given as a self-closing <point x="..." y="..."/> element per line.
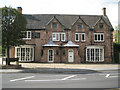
<point x="39" y="21"/>
<point x="79" y="21"/>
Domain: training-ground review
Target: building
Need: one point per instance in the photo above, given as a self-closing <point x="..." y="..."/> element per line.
<point x="58" y="38"/>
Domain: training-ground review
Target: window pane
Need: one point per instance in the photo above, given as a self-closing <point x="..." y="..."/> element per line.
<point x="63" y="37"/>
<point x="29" y="34"/>
<point x="54" y="25"/>
<point x="79" y="26"/>
<point x="97" y="54"/>
<point x="92" y="54"/>
<point x="77" y="37"/>
<point x="83" y="37"/>
<point x="95" y="37"/>
<point x="53" y="35"/>
<point x="98" y="36"/>
<point x="101" y="54"/>
<point x="57" y="36"/>
<point x="88" y="54"/>
<point x="101" y="26"/>
<point x="102" y="37"/>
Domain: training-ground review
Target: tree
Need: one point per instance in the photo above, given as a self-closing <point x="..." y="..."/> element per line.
<point x="13" y="23"/>
<point x="116" y="34"/>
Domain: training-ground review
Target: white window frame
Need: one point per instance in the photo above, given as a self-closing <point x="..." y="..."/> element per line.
<point x="27" y="35"/>
<point x="25" y="46"/>
<point x="95" y="47"/>
<point x="84" y="37"/>
<point x="100" y="37"/>
<point x="55" y="39"/>
<point x="62" y="37"/>
<point x="78" y="37"/>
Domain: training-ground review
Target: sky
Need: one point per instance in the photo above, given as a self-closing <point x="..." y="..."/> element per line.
<point x="79" y="7"/>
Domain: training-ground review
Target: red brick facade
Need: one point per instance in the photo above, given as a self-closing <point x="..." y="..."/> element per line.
<point x="79" y="53"/>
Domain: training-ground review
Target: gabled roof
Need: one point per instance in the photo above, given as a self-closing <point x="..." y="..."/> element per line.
<point x="38" y="21"/>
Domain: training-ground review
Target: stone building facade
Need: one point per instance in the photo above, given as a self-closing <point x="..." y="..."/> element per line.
<point x="58" y="38"/>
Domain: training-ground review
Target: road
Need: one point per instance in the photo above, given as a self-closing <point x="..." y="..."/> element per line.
<point x="102" y="79"/>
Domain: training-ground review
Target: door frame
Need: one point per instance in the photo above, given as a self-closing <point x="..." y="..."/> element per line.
<point x="53" y="55"/>
<point x="73" y="55"/>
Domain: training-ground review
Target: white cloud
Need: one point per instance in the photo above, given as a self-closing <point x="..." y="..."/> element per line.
<point x="91" y="7"/>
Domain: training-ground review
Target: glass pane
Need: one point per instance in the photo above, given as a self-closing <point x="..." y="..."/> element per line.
<point x="98" y="36"/>
<point x="101" y="54"/>
<point x="97" y="54"/>
<point x="54" y="25"/>
<point x="57" y="36"/>
<point x="102" y="37"/>
<point x="101" y="26"/>
<point x="63" y="37"/>
<point x="77" y="37"/>
<point x="29" y="34"/>
<point x="88" y="54"/>
<point x="92" y="54"/>
<point x="95" y="37"/>
<point x="83" y="37"/>
<point x="79" y="26"/>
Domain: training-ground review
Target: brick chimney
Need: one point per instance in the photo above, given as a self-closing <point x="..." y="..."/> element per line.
<point x="19" y="9"/>
<point x="104" y="11"/>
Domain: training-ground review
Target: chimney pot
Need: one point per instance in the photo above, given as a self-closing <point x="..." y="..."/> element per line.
<point x="104" y="11"/>
<point x="19" y="9"/>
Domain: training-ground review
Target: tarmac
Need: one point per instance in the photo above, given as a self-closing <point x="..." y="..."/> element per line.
<point x="60" y="68"/>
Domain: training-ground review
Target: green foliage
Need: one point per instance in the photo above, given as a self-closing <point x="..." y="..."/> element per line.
<point x="13" y="23"/>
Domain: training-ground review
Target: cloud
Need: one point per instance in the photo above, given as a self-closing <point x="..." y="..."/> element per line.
<point x="91" y="7"/>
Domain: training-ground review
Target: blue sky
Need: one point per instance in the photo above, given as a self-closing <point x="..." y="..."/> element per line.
<point x="89" y="7"/>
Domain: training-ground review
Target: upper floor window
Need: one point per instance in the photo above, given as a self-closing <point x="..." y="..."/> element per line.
<point x="27" y="35"/>
<point x="62" y="36"/>
<point x="101" y="26"/>
<point x="77" y="37"/>
<point x="36" y="35"/>
<point x="99" y="37"/>
<point x="79" y="26"/>
<point x="82" y="37"/>
<point x="56" y="36"/>
<point x="54" y="25"/>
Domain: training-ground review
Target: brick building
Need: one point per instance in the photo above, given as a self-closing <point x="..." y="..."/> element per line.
<point x="59" y="38"/>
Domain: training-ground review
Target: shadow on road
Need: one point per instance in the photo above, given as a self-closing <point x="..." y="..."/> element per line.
<point x="58" y="70"/>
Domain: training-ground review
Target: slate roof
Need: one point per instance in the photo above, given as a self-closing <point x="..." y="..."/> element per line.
<point x="39" y="21"/>
<point x="70" y="44"/>
<point x="50" y="43"/>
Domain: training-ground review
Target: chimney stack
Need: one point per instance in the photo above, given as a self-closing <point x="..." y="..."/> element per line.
<point x="104" y="11"/>
<point x="19" y="9"/>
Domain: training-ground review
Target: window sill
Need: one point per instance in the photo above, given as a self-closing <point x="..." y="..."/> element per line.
<point x="99" y="41"/>
<point x="26" y="38"/>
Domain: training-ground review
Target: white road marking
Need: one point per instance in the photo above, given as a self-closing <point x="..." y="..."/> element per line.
<point x="42" y="80"/>
<point x="79" y="79"/>
<point x="68" y="77"/>
<point x="107" y="75"/>
<point x="113" y="76"/>
<point x="21" y="78"/>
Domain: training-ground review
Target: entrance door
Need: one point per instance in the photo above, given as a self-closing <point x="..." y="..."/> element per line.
<point x="70" y="55"/>
<point x="50" y="55"/>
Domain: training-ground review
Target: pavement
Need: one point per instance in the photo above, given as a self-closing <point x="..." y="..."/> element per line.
<point x="61" y="67"/>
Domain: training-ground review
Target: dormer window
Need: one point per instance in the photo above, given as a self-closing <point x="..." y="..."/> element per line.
<point x="101" y="26"/>
<point x="79" y="26"/>
<point x="54" y="25"/>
